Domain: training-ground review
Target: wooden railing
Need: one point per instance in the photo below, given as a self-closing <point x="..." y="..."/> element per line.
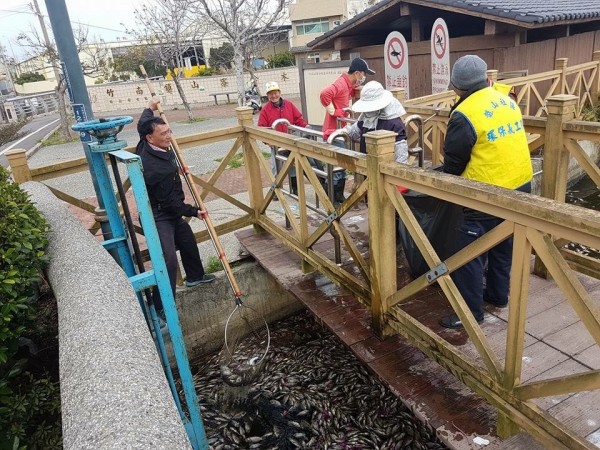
<point x="535" y="223"/>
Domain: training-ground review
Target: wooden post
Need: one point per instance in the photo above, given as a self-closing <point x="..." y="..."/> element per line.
<point x="382" y="233"/>
<point x="252" y="165"/>
<point x="399" y="94"/>
<point x="596" y="82"/>
<point x="555" y="165"/>
<point x="17" y="161"/>
<point x="561" y="64"/>
<point x="492" y="75"/>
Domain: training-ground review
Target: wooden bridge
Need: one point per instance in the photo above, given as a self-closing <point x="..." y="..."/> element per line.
<point x="554" y="323"/>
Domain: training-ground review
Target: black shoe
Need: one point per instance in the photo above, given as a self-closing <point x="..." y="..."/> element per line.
<point x="489" y="301"/>
<point x="453" y="321"/>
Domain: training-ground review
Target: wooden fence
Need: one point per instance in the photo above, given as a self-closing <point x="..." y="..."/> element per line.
<point x="536" y="224"/>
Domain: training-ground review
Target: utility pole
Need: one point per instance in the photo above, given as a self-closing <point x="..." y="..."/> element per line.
<point x="60" y="93"/>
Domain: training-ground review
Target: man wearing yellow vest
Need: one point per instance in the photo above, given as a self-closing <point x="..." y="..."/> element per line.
<point x="485" y="141"/>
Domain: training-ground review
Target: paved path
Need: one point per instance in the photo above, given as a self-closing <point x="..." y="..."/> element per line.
<point x="201" y="160"/>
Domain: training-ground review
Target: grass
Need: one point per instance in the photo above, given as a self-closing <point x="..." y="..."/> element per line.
<point x="195" y="120"/>
<point x="238" y="160"/>
<point x="213" y="265"/>
<point x="57" y="138"/>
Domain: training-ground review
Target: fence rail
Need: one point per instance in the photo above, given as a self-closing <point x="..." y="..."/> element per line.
<point x="535" y="223"/>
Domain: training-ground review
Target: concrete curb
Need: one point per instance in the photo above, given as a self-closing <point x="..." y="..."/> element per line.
<point x="114" y="393"/>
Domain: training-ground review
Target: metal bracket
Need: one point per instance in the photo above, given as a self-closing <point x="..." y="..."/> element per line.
<point x="331" y="217"/>
<point x="436" y="272"/>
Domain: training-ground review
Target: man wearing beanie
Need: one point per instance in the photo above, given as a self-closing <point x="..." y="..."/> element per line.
<point x="485" y="141"/>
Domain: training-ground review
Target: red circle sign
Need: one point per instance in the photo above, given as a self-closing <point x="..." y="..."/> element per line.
<point x="440" y="41"/>
<point x="395" y="53"/>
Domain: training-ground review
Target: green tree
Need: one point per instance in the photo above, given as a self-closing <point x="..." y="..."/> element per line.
<point x="131" y="60"/>
<point x="284" y="59"/>
<point x="221" y="57"/>
<point x="29" y="77"/>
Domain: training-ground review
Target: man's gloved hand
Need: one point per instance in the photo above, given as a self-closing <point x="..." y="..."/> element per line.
<point x="330" y="109"/>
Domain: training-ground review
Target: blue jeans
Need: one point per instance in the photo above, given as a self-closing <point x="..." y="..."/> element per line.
<point x="339" y="177"/>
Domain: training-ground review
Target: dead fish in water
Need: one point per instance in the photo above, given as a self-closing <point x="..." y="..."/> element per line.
<point x="310" y="393"/>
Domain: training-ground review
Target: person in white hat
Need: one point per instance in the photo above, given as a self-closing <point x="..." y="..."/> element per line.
<point x="278" y="108"/>
<point x="485" y="141"/>
<point x="335" y="98"/>
<point x="379" y="110"/>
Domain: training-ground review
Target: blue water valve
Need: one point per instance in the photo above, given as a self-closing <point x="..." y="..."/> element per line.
<point x="104" y="129"/>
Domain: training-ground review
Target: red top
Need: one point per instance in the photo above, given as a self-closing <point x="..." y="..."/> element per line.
<point x="287" y="110"/>
<point x="339" y="93"/>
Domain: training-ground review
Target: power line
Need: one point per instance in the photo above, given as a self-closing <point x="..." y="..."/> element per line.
<point x="28" y="11"/>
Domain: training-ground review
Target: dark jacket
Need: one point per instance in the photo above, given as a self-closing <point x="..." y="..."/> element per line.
<point x="396" y="125"/>
<point x="163" y="183"/>
<point x="460" y="138"/>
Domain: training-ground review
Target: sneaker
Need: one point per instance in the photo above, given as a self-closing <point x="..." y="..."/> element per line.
<point x="207" y="278"/>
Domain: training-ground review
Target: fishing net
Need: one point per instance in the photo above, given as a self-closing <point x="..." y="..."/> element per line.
<point x="247" y="341"/>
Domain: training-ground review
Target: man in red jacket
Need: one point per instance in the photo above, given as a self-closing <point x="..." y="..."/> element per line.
<point x="336" y="98"/>
<point x="278" y="108"/>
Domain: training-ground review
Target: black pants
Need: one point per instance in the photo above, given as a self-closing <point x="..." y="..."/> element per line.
<point x="178" y="235"/>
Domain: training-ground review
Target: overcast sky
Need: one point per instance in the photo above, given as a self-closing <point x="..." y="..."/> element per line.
<point x="103" y="18"/>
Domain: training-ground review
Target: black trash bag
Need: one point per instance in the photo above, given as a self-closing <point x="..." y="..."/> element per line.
<point x="439" y="219"/>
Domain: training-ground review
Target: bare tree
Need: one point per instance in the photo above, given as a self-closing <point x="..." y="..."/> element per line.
<point x="43" y="53"/>
<point x="168" y="28"/>
<point x="246" y="23"/>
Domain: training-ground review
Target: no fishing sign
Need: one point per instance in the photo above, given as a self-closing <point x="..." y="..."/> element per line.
<point x="396" y="61"/>
<point x="440" y="57"/>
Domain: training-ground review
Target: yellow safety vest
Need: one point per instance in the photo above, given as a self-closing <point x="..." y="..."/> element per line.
<point x="500" y="155"/>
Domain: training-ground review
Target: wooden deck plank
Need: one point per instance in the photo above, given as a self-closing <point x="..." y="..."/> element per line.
<point x="555" y="344"/>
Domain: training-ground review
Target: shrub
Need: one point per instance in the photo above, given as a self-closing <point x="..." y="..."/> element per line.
<point x="29" y="77"/>
<point x="284" y="59"/>
<point x="11" y="131"/>
<point x="207" y="71"/>
<point x="23" y="241"/>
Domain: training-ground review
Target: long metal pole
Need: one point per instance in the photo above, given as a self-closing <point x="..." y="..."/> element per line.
<point x="67" y="51"/>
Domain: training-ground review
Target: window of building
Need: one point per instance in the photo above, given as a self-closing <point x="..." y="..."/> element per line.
<point x="312" y="26"/>
<point x="313" y="57"/>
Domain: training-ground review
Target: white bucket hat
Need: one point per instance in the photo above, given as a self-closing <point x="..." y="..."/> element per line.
<point x="373" y="97"/>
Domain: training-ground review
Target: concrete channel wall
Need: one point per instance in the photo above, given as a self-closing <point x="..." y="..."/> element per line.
<point x="113" y="390"/>
<point x="114" y="393"/>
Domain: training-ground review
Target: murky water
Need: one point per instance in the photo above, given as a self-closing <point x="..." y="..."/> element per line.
<point x="312" y="394"/>
<point x="586" y="194"/>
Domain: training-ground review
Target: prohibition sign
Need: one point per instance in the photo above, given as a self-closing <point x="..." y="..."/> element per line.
<point x="441" y="41"/>
<point x="395" y="53"/>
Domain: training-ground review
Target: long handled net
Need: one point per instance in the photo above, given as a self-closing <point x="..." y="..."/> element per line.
<point x="247" y="336"/>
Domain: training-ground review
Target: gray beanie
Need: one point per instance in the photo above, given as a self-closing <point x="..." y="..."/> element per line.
<point x="468" y="71"/>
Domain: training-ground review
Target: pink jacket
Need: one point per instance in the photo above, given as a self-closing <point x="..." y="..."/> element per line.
<point x="339" y="93"/>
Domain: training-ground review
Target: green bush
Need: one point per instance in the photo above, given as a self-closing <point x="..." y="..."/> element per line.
<point x="284" y="59"/>
<point x="207" y="72"/>
<point x="29" y="77"/>
<point x="23" y="239"/>
<point x="11" y="132"/>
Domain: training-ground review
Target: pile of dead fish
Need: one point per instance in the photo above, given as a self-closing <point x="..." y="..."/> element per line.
<point x="311" y="393"/>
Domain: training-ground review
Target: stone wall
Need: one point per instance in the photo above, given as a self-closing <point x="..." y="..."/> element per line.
<point x="134" y="94"/>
